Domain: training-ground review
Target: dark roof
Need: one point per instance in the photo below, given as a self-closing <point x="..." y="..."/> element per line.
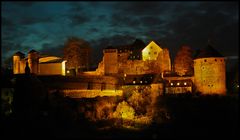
<point x="32" y="51"/>
<point x="208" y="51"/>
<point x="158" y="43"/>
<point x="110" y="47"/>
<point x="138" y="45"/>
<point x="19" y="53"/>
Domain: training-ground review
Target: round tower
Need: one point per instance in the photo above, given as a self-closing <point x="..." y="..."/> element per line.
<point x="16" y="62"/>
<point x="33" y="60"/>
<point x="210" y="72"/>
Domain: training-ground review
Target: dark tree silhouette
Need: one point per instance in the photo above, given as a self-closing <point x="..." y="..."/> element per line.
<point x="77" y="53"/>
<point x="183" y="62"/>
<point x="27" y="69"/>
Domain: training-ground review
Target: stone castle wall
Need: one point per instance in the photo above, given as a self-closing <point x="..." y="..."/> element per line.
<point x="210" y="75"/>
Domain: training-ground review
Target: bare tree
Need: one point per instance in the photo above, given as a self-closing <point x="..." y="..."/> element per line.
<point x="183" y="63"/>
<point x="77" y="53"/>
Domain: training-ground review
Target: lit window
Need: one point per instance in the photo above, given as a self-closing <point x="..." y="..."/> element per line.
<point x="178" y="84"/>
<point x="185" y="83"/>
<point x="171" y="84"/>
<point x="141" y="82"/>
<point x="134" y="82"/>
<point x="68" y="71"/>
<point x="125" y="75"/>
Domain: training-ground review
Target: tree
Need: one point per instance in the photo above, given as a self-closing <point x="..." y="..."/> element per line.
<point x="124" y="111"/>
<point x="77" y="53"/>
<point x="183" y="63"/>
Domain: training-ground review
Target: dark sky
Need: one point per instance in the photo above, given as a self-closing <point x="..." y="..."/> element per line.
<point x="45" y="26"/>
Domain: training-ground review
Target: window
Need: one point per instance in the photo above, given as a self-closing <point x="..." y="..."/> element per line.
<point x="178" y="84"/>
<point x="185" y="83"/>
<point x="155" y="52"/>
<point x="149" y="52"/>
<point x="141" y="82"/>
<point x="205" y="60"/>
<point x="134" y="82"/>
<point x="171" y="84"/>
<point x="216" y="60"/>
<point x="151" y="47"/>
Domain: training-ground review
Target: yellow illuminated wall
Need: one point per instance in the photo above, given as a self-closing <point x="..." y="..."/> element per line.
<point x="64" y="67"/>
<point x="210" y="75"/>
<point x="16" y="64"/>
<point x="19" y="65"/>
<point x="151" y="51"/>
<point x="50" y="69"/>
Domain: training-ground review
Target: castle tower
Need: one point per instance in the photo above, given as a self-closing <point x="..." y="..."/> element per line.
<point x="210" y="72"/>
<point x="110" y="61"/>
<point x="33" y="60"/>
<point x="17" y="62"/>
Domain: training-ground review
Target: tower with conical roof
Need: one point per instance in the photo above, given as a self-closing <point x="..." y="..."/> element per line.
<point x="210" y="71"/>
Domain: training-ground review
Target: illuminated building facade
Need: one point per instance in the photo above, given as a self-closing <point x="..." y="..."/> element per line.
<point x="40" y="65"/>
<point x="149" y="65"/>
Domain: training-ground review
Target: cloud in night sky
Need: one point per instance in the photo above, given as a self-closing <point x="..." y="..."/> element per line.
<point x="45" y="26"/>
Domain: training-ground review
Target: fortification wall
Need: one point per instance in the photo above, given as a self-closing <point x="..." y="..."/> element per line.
<point x="50" y="69"/>
<point x="210" y="75"/>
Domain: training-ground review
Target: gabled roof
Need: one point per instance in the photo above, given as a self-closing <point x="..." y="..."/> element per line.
<point x="32" y="51"/>
<point x="19" y="54"/>
<point x="110" y="47"/>
<point x="137" y="45"/>
<point x="208" y="51"/>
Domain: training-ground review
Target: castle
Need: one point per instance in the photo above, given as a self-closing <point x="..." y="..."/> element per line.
<point x="137" y="65"/>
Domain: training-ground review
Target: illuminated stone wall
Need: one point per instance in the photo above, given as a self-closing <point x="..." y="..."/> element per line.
<point x="50" y="69"/>
<point x="16" y="64"/>
<point x="22" y="66"/>
<point x="166" y="62"/>
<point x="157" y="88"/>
<point x="110" y="61"/>
<point x="210" y="75"/>
<point x="91" y="93"/>
<point x="33" y="60"/>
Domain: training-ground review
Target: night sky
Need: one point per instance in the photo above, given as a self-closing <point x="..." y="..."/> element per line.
<point x="45" y="26"/>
